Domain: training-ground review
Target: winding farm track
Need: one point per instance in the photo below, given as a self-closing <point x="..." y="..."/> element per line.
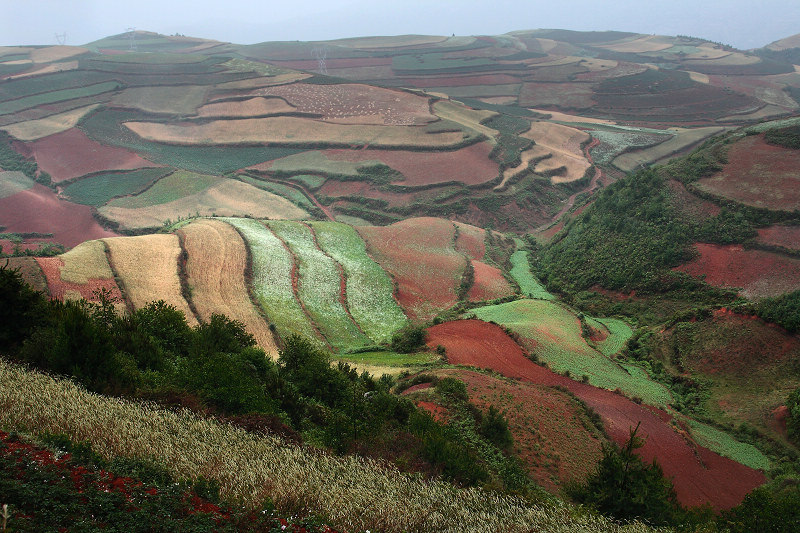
<point x="699" y="475"/>
<point x="590" y="188"/>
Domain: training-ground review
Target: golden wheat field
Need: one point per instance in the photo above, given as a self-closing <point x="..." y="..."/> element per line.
<point x="292" y="131"/>
<point x="36" y="129"/>
<point x="86" y="261"/>
<point x="147" y="268"/>
<point x="355" y="494"/>
<point x="55" y="53"/>
<point x="215" y="266"/>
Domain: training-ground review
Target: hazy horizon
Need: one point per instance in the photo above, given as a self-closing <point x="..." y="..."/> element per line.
<point x="742" y="23"/>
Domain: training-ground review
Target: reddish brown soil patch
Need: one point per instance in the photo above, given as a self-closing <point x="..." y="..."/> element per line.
<point x="58" y="288"/>
<point x="558" y="95"/>
<point x="336" y="189"/>
<point x="757" y="273"/>
<point x="699" y="474"/>
<point x="470" y="165"/>
<point x="418" y="253"/>
<point x="471" y="241"/>
<point x="418" y="387"/>
<point x="438" y="412"/>
<point x="759" y="174"/>
<point x="489" y="283"/>
<point x="461" y="81"/>
<point x="691" y="206"/>
<point x="779" y="418"/>
<point x="552" y="434"/>
<point x="30" y="271"/>
<point x="39" y="210"/>
<point x="784" y="236"/>
<point x="71" y="154"/>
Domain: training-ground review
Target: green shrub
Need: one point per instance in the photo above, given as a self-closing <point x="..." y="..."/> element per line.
<point x="409" y="339"/>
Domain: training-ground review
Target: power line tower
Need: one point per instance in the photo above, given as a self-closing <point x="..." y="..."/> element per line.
<point x="61" y="38"/>
<point x="320" y="54"/>
<point x="131" y="39"/>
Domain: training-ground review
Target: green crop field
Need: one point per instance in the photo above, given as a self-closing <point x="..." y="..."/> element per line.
<point x="12" y="182"/>
<point x="315" y="161"/>
<point x="290" y="193"/>
<point x="369" y="289"/>
<point x="389" y="359"/>
<point x="98" y="189"/>
<point x="308" y="180"/>
<point x="52" y="82"/>
<point x="12" y="106"/>
<point x="272" y="279"/>
<point x="553" y="334"/>
<point x="170" y="188"/>
<point x="319" y="286"/>
<point x="618" y="334"/>
<point x="725" y="445"/>
<point x="150" y="58"/>
<point x="105" y="126"/>
<point x="528" y="284"/>
<point x="436" y="61"/>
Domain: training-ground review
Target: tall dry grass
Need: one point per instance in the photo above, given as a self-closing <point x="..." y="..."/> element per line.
<point x="354" y="494"/>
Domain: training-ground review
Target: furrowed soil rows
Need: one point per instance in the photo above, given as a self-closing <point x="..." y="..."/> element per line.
<point x="757" y="273"/>
<point x="320" y="286"/>
<point x="471" y="241"/>
<point x="552" y="434"/>
<point x="273" y="271"/>
<point x="215" y="265"/>
<point x="553" y="334"/>
<point x="419" y="254"/>
<point x="292" y="131"/>
<point x="699" y="475"/>
<point x="79" y="273"/>
<point x="758" y="174"/>
<point x="369" y="289"/>
<point x="147" y="267"/>
<point x="564" y="143"/>
<point x="71" y="154"/>
<point x="39" y="210"/>
<point x="784" y="236"/>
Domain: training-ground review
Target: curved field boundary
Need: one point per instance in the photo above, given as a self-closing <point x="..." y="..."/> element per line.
<point x="419" y="255"/>
<point x="488" y="283"/>
<point x="369" y="289"/>
<point x="618" y="334"/>
<point x="79" y="272"/>
<point x="175" y="100"/>
<point x="528" y="284"/>
<point x="320" y="286"/>
<point x="553" y="334"/>
<point x="471" y="241"/>
<point x="272" y="270"/>
<point x="147" y="267"/>
<point x="216" y="263"/>
<point x="36" y="129"/>
<point x="12" y="106"/>
<point x="12" y="182"/>
<point x="680" y="142"/>
<point x="700" y="476"/>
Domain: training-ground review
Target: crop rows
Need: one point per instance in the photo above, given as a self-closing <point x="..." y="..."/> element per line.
<point x="319" y="286"/>
<point x="272" y="279"/>
<point x="369" y="289"/>
<point x="98" y="189"/>
<point x="618" y="334"/>
<point x="528" y="284"/>
<point x="355" y="494"/>
<point x="12" y="106"/>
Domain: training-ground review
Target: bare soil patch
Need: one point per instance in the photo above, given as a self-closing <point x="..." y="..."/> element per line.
<point x="779" y="235"/>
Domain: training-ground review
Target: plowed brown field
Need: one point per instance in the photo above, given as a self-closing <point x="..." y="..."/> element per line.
<point x="489" y="283"/>
<point x="216" y="263"/>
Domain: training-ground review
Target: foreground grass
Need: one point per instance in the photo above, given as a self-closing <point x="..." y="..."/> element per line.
<point x="353" y="493"/>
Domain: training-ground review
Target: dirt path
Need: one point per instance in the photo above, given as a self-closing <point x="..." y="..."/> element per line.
<point x="310" y="196"/>
<point x="598" y="174"/>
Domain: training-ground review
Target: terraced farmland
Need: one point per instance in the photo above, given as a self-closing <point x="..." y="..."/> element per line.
<point x="274" y="276"/>
<point x="79" y="273"/>
<point x="320" y="286"/>
<point x="369" y="289"/>
<point x="553" y="334"/>
<point x="528" y="284"/>
<point x="216" y="261"/>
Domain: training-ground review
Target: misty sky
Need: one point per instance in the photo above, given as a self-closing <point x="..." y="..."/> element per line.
<point x="741" y="23"/>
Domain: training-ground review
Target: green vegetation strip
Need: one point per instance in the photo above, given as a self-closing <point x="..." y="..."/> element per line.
<point x="389" y="359"/>
<point x="12" y="106"/>
<point x="528" y="284"/>
<point x="98" y="189"/>
<point x="555" y="333"/>
<point x="725" y="445"/>
<point x="618" y="334"/>
<point x="290" y="193"/>
<point x="12" y="182"/>
<point x="173" y="187"/>
<point x="369" y="289"/>
<point x="319" y="286"/>
<point x="272" y="279"/>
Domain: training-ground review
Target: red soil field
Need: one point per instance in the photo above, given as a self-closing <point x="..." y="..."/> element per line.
<point x="785" y="236"/>
<point x="336" y="189"/>
<point x="699" y="475"/>
<point x="39" y="210"/>
<point x="418" y="253"/>
<point x="757" y="273"/>
<point x="58" y="288"/>
<point x="71" y="154"/>
<point x="438" y="412"/>
<point x="470" y="241"/>
<point x="549" y="427"/>
<point x="694" y="207"/>
<point x="759" y="174"/>
<point x="461" y="81"/>
<point x="470" y="165"/>
<point x="489" y="283"/>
